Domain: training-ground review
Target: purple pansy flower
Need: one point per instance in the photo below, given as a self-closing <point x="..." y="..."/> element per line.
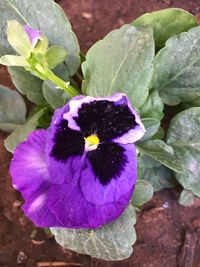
<point x="33" y="34"/>
<point x="81" y="172"/>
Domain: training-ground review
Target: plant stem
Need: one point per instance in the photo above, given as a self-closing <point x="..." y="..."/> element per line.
<point x="55" y="79"/>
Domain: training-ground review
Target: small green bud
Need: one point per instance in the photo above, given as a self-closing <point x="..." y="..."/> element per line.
<point x="42" y="45"/>
<point x="55" y="55"/>
<point x="18" y="38"/>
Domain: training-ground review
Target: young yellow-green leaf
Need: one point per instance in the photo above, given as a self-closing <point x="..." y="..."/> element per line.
<point x="55" y="55"/>
<point x="46" y="16"/>
<point x="42" y="45"/>
<point x="163" y="153"/>
<point x="177" y="67"/>
<point x="121" y="62"/>
<point x="184" y="136"/>
<point x="113" y="241"/>
<point x="18" y="38"/>
<point x="12" y="109"/>
<point x="166" y="23"/>
<point x="12" y="60"/>
<point x="143" y="193"/>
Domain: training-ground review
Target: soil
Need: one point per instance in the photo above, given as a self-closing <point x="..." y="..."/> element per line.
<point x="168" y="235"/>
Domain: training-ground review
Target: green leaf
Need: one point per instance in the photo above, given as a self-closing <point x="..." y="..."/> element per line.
<point x="46" y="16"/>
<point x="176" y="68"/>
<point x="153" y="107"/>
<point x="12" y="60"/>
<point x="111" y="242"/>
<point x="121" y="62"/>
<point x="152" y="126"/>
<point x="143" y="193"/>
<point x="155" y="173"/>
<point x="21" y="133"/>
<point x="184" y="135"/>
<point x="163" y="153"/>
<point x="18" y="38"/>
<point x="187" y="198"/>
<point x="166" y="23"/>
<point x="45" y="119"/>
<point x="12" y="109"/>
<point x="160" y="134"/>
<point x="54" y="96"/>
<point x="55" y="55"/>
<point x="27" y="84"/>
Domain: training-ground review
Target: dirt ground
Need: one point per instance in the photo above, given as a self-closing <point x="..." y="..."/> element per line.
<point x="167" y="237"/>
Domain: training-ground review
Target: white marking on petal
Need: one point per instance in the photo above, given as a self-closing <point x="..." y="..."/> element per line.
<point x="37" y="203"/>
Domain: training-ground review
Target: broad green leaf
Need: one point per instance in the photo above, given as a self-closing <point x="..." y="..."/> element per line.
<point x="152" y="126"/>
<point x="163" y="153"/>
<point x="45" y="119"/>
<point x="27" y="84"/>
<point x="18" y="38"/>
<point x="121" y="62"/>
<point x="21" y="133"/>
<point x="160" y="134"/>
<point x="166" y="23"/>
<point x="12" y="109"/>
<point x="187" y="105"/>
<point x="153" y="107"/>
<point x="55" y="55"/>
<point x="55" y="97"/>
<point x="111" y="242"/>
<point x="187" y="198"/>
<point x="176" y="68"/>
<point x="184" y="135"/>
<point x="143" y="193"/>
<point x="46" y="16"/>
<point x="147" y="162"/>
<point x="12" y="60"/>
<point x="62" y="72"/>
<point x="155" y="173"/>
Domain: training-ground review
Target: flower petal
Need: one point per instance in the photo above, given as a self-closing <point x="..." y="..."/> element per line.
<point x="62" y="143"/>
<point x="28" y="167"/>
<point x="110" y="172"/>
<point x="36" y="208"/>
<point x="133" y="135"/>
<point x="65" y="185"/>
<point x="33" y="34"/>
<point x="111" y="118"/>
<point x="71" y="208"/>
<point x="30" y="176"/>
<point x="67" y="142"/>
<point x="83" y="202"/>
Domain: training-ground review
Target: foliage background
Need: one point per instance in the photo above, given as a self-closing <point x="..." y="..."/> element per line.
<point x="164" y="228"/>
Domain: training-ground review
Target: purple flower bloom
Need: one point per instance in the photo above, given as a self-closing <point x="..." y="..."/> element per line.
<point x="34" y="35"/>
<point x="81" y="172"/>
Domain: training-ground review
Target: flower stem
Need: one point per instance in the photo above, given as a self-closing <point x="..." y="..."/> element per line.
<point x="49" y="75"/>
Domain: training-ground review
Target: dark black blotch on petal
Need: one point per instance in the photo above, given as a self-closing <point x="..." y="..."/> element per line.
<point x="67" y="142"/>
<point x="106" y="119"/>
<point x="108" y="161"/>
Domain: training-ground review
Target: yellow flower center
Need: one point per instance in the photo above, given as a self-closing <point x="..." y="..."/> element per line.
<point x="91" y="142"/>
